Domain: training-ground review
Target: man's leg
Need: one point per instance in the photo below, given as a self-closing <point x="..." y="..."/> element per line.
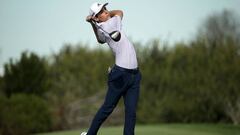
<point x="130" y="101"/>
<point x="116" y="85"/>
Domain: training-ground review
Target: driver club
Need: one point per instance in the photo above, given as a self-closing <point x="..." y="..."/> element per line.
<point x="115" y="35"/>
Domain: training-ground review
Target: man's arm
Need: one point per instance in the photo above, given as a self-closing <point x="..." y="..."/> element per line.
<point x="88" y="19"/>
<point x="116" y="12"/>
<point x="96" y="34"/>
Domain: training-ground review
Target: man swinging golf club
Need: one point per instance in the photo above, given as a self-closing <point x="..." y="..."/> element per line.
<point x="124" y="78"/>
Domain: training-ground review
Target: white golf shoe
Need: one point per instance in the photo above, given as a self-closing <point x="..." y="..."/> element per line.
<point x="83" y="133"/>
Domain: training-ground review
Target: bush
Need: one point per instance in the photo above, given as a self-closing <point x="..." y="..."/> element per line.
<point x="2" y="102"/>
<point x="23" y="114"/>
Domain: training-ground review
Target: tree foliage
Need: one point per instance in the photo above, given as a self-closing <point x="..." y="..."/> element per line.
<point x="28" y="75"/>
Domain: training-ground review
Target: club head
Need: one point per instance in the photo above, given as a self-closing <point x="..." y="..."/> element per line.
<point x="115" y="35"/>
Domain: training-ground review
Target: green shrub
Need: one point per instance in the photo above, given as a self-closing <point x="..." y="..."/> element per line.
<point x="24" y="114"/>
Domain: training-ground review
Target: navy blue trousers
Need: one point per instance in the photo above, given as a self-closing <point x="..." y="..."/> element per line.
<point x="121" y="83"/>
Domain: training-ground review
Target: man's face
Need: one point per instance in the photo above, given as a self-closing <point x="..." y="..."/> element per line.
<point x="103" y="15"/>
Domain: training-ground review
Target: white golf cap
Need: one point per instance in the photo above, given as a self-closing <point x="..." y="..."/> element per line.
<point x="96" y="8"/>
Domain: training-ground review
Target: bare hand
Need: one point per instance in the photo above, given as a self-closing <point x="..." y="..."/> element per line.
<point x="90" y="18"/>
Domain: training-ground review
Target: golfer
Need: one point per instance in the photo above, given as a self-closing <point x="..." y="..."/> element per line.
<point x="124" y="77"/>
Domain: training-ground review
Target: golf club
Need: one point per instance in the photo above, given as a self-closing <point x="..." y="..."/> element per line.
<point x="115" y="35"/>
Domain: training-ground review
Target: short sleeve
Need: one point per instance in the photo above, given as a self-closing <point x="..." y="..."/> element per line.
<point x="113" y="24"/>
<point x="117" y="22"/>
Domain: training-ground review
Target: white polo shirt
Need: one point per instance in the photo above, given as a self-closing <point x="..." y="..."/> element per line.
<point x="125" y="55"/>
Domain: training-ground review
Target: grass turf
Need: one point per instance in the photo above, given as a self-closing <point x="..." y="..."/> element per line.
<point x="165" y="129"/>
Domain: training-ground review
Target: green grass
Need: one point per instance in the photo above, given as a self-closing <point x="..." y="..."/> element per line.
<point x="165" y="129"/>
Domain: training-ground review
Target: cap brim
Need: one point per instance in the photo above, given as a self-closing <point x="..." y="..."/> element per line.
<point x="104" y="5"/>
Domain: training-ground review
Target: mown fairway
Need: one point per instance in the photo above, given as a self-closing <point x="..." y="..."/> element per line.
<point x="165" y="129"/>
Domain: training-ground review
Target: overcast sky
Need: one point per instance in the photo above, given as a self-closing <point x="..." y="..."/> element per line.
<point x="43" y="26"/>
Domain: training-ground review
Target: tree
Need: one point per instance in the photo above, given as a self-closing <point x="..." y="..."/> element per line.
<point x="218" y="28"/>
<point x="220" y="33"/>
<point x="28" y="75"/>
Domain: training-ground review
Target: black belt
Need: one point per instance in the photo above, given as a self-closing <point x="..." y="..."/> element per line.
<point x="132" y="71"/>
